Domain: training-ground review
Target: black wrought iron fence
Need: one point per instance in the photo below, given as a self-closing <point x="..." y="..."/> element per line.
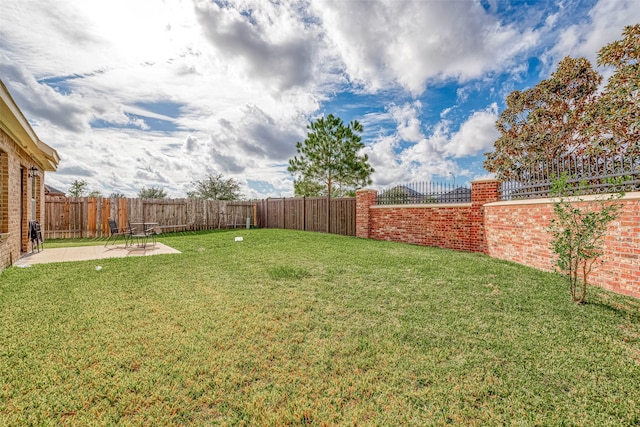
<point x="424" y="192"/>
<point x="587" y="175"/>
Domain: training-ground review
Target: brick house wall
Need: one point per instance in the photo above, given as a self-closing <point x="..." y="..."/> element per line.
<point x="515" y="231"/>
<point x="23" y="162"/>
<point x="17" y="189"/>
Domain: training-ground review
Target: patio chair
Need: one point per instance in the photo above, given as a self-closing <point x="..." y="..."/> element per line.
<point x="116" y="232"/>
<point x="35" y="236"/>
<point x="150" y="231"/>
<point x="141" y="235"/>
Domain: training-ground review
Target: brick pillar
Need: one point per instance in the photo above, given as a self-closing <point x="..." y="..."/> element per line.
<point x="483" y="191"/>
<point x="364" y="200"/>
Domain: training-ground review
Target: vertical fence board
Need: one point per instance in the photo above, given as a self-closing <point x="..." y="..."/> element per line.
<point x="92" y="220"/>
<point x="84" y="217"/>
<point x="106" y="215"/>
<point x="122" y="213"/>
<point x="66" y="218"/>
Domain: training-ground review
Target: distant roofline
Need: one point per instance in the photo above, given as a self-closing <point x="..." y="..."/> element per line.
<point x="53" y="191"/>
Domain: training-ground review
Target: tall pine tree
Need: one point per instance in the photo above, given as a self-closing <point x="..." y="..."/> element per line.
<point x="329" y="156"/>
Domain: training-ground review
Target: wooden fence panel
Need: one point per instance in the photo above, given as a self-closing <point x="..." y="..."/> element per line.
<point x="294" y="218"/>
<point x="310" y="214"/>
<point x="135" y="210"/>
<point x="53" y="216"/>
<point x="343" y="216"/>
<point x="165" y="212"/>
<point x="74" y="218"/>
<point x="64" y="219"/>
<point x="316" y="214"/>
<point x="212" y="214"/>
<point x="122" y="214"/>
<point x="274" y="213"/>
<point x="197" y="218"/>
<point x="261" y="213"/>
<point x="92" y="217"/>
<point x="237" y="213"/>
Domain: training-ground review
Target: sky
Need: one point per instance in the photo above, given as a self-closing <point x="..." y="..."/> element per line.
<point x="162" y="93"/>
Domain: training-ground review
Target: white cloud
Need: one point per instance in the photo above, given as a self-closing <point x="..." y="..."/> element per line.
<point x="42" y="101"/>
<point x="383" y="43"/>
<point x="411" y="155"/>
<point x="270" y="42"/>
<point x="409" y="126"/>
<point x="607" y="19"/>
<point x="108" y="61"/>
<point x="476" y="135"/>
<point x="245" y="77"/>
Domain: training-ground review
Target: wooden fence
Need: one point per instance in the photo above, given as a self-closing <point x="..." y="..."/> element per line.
<point x="337" y="216"/>
<point x="89" y="216"/>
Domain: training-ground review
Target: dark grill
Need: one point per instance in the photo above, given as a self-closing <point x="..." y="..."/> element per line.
<point x="424" y="192"/>
<point x="587" y="175"/>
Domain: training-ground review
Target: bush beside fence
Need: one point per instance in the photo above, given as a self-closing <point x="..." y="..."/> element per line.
<point x="518" y="231"/>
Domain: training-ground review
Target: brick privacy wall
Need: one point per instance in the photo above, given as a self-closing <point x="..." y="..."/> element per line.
<point x="514" y="231"/>
<point x="443" y="226"/>
<point x="18" y="163"/>
<point x="457" y="226"/>
<point x="518" y="232"/>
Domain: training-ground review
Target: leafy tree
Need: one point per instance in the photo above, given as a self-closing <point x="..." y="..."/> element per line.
<point x="329" y="157"/>
<point x="307" y="188"/>
<point x="564" y="114"/>
<point x="78" y="188"/>
<point x="344" y="192"/>
<point x="614" y="124"/>
<point x="545" y="122"/>
<point x="578" y="232"/>
<point x="95" y="193"/>
<point x="117" y="195"/>
<point x="216" y="187"/>
<point x="310" y="188"/>
<point x="152" y="193"/>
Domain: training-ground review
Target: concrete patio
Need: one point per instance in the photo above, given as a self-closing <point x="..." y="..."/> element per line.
<point x="84" y="253"/>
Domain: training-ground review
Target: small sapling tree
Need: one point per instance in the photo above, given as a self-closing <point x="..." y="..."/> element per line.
<point x="78" y="188"/>
<point x="578" y="231"/>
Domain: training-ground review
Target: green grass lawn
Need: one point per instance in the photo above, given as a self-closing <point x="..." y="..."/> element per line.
<point x="294" y="328"/>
